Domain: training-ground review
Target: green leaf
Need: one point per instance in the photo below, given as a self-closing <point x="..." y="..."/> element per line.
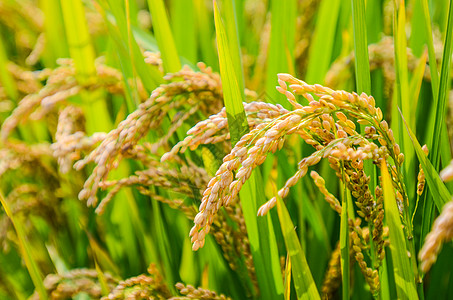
<point x="233" y="95"/>
<point x="287" y="275"/>
<point x="431" y="53"/>
<point x="6" y="80"/>
<point x="362" y="64"/>
<point x="164" y="36"/>
<point x="303" y="280"/>
<point x="26" y="250"/>
<point x="402" y="93"/>
<point x="436" y="120"/>
<point x="404" y="275"/>
<point x="436" y="186"/>
<point x="80" y="47"/>
<point x="184" y="28"/>
<point x="281" y="46"/>
<point x="260" y="231"/>
<point x="344" y="243"/>
<point x="321" y="46"/>
<point x="444" y="87"/>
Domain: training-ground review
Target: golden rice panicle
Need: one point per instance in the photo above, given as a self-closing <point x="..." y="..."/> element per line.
<point x="421" y="174"/>
<point x="61" y="84"/>
<point x="70" y="138"/>
<point x="371" y="276"/>
<point x="188" y="181"/>
<point x="150" y="286"/>
<point x="382" y="56"/>
<point x="378" y="224"/>
<point x="191" y="292"/>
<point x="215" y="129"/>
<point x="247" y="154"/>
<point x="154" y="59"/>
<point x="197" y="89"/>
<point x="336" y="140"/>
<point x="441" y="232"/>
<point x="447" y="173"/>
<point x="332" y="278"/>
<point x="321" y="184"/>
<point x="73" y="282"/>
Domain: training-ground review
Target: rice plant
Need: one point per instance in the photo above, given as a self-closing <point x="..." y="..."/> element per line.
<point x="226" y="149"/>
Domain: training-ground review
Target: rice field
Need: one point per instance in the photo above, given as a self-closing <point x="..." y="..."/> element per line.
<point x="226" y="149"/>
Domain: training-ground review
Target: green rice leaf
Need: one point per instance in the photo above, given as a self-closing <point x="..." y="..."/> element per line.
<point x="6" y="80"/>
<point x="416" y="83"/>
<point x="164" y="36"/>
<point x="233" y="95"/>
<point x="362" y="64"/>
<point x="260" y="232"/>
<point x="205" y="34"/>
<point x="80" y="47"/>
<point x="54" y="30"/>
<point x="344" y="242"/>
<point x="229" y="15"/>
<point x="321" y="47"/>
<point x="26" y="250"/>
<point x="101" y="256"/>
<point x="303" y="280"/>
<point x="404" y="275"/>
<point x="431" y="52"/>
<point x="102" y="280"/>
<point x="184" y="28"/>
<point x="281" y="46"/>
<point x="436" y="186"/>
<point x="444" y="87"/>
<point x="287" y="282"/>
<point x="402" y="93"/>
<point x="436" y="120"/>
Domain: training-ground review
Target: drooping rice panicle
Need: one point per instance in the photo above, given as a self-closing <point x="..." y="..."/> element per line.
<point x="75" y="282"/>
<point x="191" y="292"/>
<point x="421" y="175"/>
<point x="330" y="112"/>
<point x="441" y="232"/>
<point x="61" y="84"/>
<point x="201" y="89"/>
<point x="150" y="286"/>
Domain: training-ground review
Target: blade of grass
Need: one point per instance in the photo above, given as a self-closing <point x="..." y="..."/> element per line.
<point x="82" y="53"/>
<point x="416" y="83"/>
<point x="80" y="47"/>
<point x="184" y="28"/>
<point x="56" y="44"/>
<point x="344" y="246"/>
<point x="260" y="232"/>
<point x="438" y="189"/>
<point x="431" y="53"/>
<point x="233" y="95"/>
<point x="436" y="122"/>
<point x="229" y="15"/>
<point x="205" y="34"/>
<point x="101" y="277"/>
<point x="26" y="250"/>
<point x="287" y="275"/>
<point x="6" y="80"/>
<point x="303" y="280"/>
<point x="402" y="93"/>
<point x="281" y="46"/>
<point x="320" y="53"/>
<point x="404" y="276"/>
<point x="362" y="64"/>
<point x="101" y="256"/>
<point x="117" y="29"/>
<point x="444" y="87"/>
<point x="164" y="36"/>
